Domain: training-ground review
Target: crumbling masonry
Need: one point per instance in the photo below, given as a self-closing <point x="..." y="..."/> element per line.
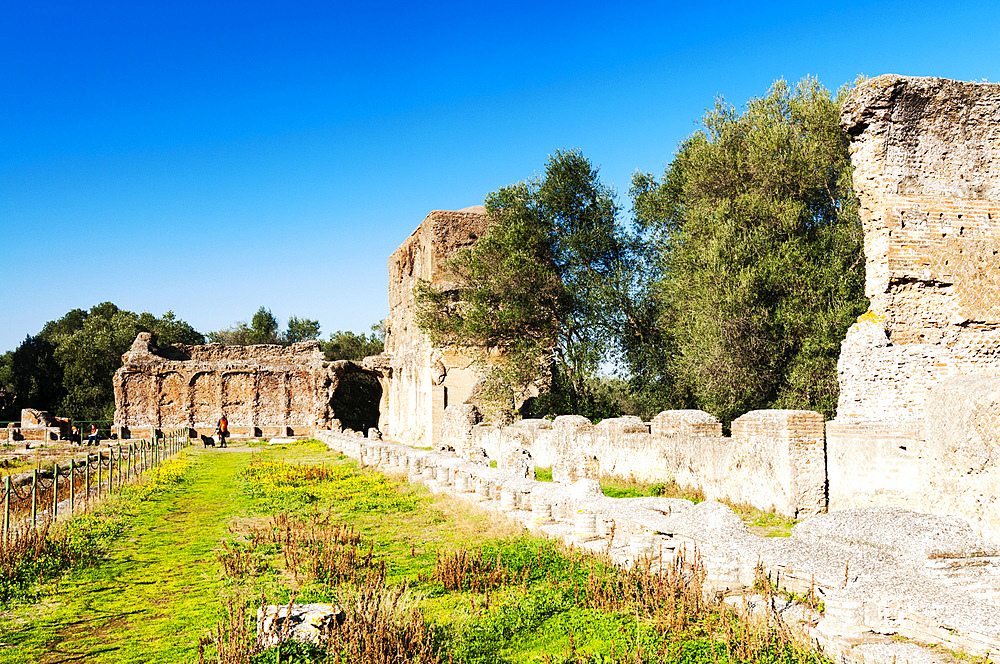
<point x="263" y="390"/>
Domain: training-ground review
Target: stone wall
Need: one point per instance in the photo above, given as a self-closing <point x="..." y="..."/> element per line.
<point x="419" y="380"/>
<point x="926" y="156"/>
<point x="775" y="459"/>
<point x="262" y="389"/>
<point x="929" y="581"/>
<point x="919" y="371"/>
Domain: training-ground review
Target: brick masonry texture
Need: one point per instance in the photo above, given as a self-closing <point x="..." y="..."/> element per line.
<point x="259" y="388"/>
<point x="419" y="380"/>
<point x="920" y="371"/>
<point x="926" y="156"/>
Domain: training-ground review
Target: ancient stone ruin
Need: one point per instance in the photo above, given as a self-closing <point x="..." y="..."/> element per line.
<point x="35" y="425"/>
<point x="909" y="470"/>
<point x="419" y="381"/>
<point x="897" y="586"/>
<point x="919" y="373"/>
<point x="263" y="390"/>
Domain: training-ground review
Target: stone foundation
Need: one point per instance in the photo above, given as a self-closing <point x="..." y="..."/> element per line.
<point x="775" y="459"/>
<point x="881" y="572"/>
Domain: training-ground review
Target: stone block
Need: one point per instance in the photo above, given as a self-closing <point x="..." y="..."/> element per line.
<point x="309" y="623"/>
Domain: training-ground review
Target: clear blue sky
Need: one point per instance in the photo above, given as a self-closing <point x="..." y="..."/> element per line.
<point x="212" y="157"/>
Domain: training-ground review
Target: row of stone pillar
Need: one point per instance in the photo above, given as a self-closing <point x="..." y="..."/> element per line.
<point x="536" y="504"/>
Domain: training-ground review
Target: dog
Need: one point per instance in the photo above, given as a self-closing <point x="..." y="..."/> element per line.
<point x="208" y="441"/>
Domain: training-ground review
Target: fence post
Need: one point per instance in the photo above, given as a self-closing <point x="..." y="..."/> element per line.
<point x="99" y="478"/>
<point x="120" y="466"/>
<point x="72" y="486"/>
<point x="86" y="475"/>
<point x="55" y="490"/>
<point x="34" y="499"/>
<point x="6" y="507"/>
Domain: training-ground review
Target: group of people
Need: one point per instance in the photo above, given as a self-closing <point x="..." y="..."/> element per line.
<point x="93" y="439"/>
<point x="221" y="431"/>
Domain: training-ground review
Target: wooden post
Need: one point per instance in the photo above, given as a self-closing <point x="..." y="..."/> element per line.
<point x="55" y="490"/>
<point x="34" y="498"/>
<point x="6" y="507"/>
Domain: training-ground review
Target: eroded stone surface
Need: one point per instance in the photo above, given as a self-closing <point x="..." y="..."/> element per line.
<point x="257" y="387"/>
<point x="919" y="372"/>
<point x="880" y="572"/>
<point x="926" y="156"/>
<point x="419" y="381"/>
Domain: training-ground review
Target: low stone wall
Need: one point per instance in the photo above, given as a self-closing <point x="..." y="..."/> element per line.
<point x="881" y="572"/>
<point x="775" y="459"/>
<point x="946" y="463"/>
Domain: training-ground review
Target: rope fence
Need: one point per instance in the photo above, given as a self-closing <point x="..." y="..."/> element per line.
<point x="45" y="494"/>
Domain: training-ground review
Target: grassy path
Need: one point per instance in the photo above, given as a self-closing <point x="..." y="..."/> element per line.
<point x="155" y="597"/>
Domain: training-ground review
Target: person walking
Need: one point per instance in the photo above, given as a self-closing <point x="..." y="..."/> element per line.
<point x="222" y="430"/>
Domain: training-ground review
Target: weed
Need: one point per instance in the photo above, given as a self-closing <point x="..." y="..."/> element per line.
<point x="616" y="487"/>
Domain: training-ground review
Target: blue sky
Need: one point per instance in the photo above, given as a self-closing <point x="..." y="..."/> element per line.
<point x="213" y="157"/>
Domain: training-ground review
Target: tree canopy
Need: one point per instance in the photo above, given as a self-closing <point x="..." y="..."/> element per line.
<point x="544" y="292"/>
<point x="264" y="328"/>
<point x="731" y="289"/>
<point x="758" y="252"/>
<point x="346" y="345"/>
<point x="67" y="367"/>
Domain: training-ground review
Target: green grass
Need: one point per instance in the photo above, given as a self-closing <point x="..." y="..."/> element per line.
<point x="220" y="535"/>
<point x="154" y="595"/>
<point x="615" y="487"/>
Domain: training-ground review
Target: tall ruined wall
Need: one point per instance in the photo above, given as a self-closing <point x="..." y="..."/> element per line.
<point x="926" y="156"/>
<point x="257" y="387"/>
<point x="418" y="380"/>
<point x="920" y="371"/>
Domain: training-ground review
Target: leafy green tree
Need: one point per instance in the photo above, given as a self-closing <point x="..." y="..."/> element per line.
<point x="346" y="345"/>
<point x="759" y="269"/>
<point x="67" y="368"/>
<point x="301" y="329"/>
<point x="264" y="328"/>
<point x="547" y="291"/>
<point x="170" y="330"/>
<point x="91" y="356"/>
<point x="31" y="377"/>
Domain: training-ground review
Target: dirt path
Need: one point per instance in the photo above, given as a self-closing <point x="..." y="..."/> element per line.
<point x="158" y="593"/>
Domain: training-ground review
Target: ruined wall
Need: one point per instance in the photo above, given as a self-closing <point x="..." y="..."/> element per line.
<point x="774" y="459"/>
<point x="259" y="388"/>
<point x="418" y="380"/>
<point x="926" y="156"/>
<point x="918" y="372"/>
